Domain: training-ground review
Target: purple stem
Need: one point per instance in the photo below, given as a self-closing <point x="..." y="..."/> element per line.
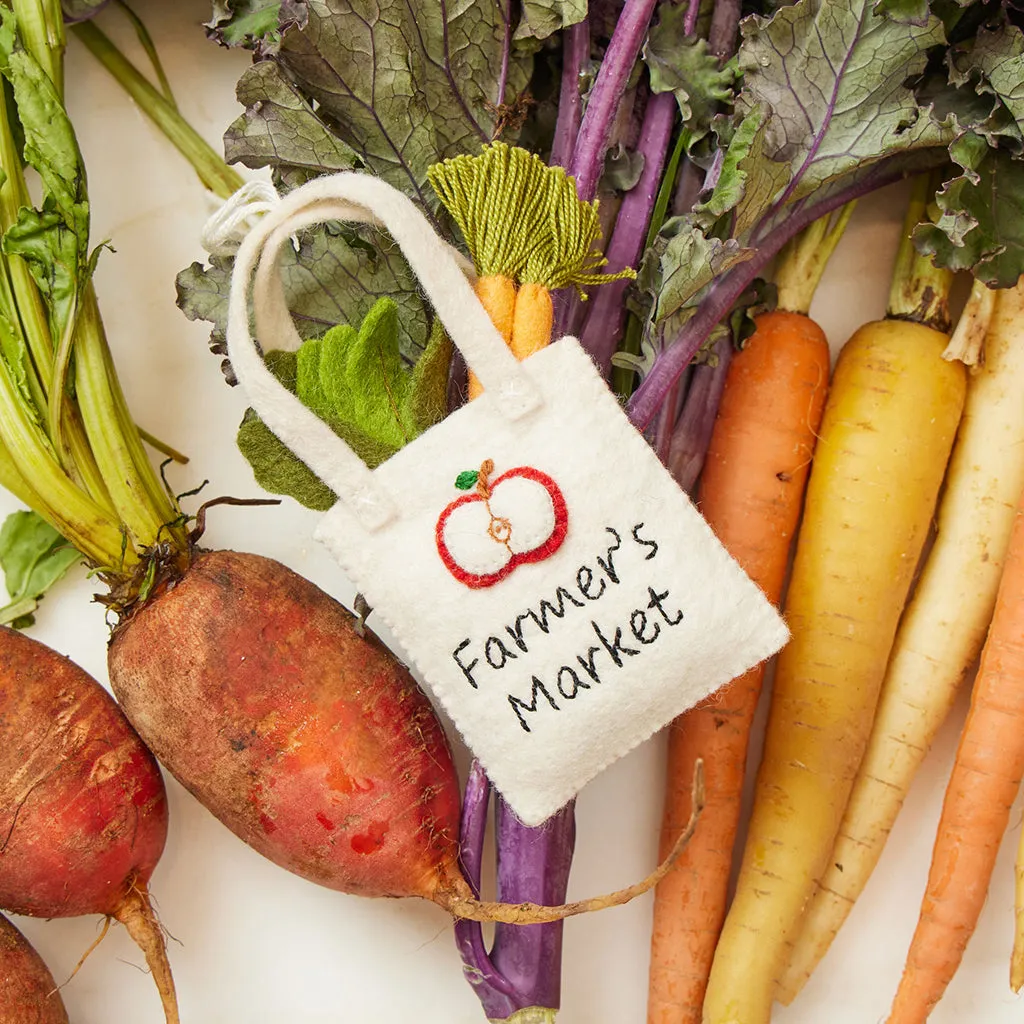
<point x="575" y="57"/>
<point x="692" y="13"/>
<point x="495" y="992"/>
<point x="692" y="435"/>
<point x="506" y="14"/>
<point x="725" y="290"/>
<point x="609" y="88"/>
<point x="533" y="866"/>
<point x="606" y="315"/>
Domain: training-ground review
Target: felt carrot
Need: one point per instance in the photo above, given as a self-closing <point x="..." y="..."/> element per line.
<point x="886" y="434"/>
<point x="751" y="494"/>
<point x="986" y="776"/>
<point x="527" y="232"/>
<point x="944" y="626"/>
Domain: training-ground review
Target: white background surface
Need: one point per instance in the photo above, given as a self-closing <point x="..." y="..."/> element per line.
<point x="256" y="945"/>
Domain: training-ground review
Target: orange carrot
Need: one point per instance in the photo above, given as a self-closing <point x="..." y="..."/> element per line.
<point x="497" y="294"/>
<point x="751" y="492"/>
<point x="986" y="776"/>
<point x="532" y="323"/>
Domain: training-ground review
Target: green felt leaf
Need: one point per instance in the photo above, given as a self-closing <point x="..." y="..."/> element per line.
<point x="684" y="65"/>
<point x="981" y="224"/>
<point x="467" y="479"/>
<point x="541" y="18"/>
<point x="33" y="556"/>
<point x="357" y="383"/>
<point x="254" y="24"/>
<point x="404" y="85"/>
<point x="334" y="278"/>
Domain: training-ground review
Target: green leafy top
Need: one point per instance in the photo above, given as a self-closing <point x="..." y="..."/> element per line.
<point x="33" y="556"/>
<point x="356" y="382"/>
<point x="254" y="24"/>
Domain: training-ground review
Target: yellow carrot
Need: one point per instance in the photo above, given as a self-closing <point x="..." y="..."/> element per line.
<point x="886" y="434"/>
<point x="497" y="294"/>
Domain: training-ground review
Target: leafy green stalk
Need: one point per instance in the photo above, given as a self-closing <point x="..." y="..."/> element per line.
<point x="33" y="556"/>
<point x="803" y="259"/>
<point x="214" y="173"/>
<point x="41" y="27"/>
<point x="920" y="290"/>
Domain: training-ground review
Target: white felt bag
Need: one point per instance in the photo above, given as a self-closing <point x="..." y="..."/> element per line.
<point x="556" y="590"/>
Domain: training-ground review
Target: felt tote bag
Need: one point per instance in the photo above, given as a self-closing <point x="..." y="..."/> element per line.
<point x="555" y="589"/>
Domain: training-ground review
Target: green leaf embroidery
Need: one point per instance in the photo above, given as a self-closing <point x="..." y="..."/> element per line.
<point x="34" y="556"/>
<point x="467" y="479"/>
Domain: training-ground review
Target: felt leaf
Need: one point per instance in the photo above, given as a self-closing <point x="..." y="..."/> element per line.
<point x="254" y="24"/>
<point x="281" y="128"/>
<point x="541" y="18"/>
<point x="404" y="85"/>
<point x="467" y="479"/>
<point x="981" y="223"/>
<point x="34" y="556"/>
<point x="356" y="382"/>
<point x="335" y="277"/>
<point x="682" y="64"/>
<point x="426" y="401"/>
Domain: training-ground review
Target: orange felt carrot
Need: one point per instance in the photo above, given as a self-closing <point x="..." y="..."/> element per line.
<point x="986" y="776"/>
<point x="527" y="232"/>
<point x="751" y="493"/>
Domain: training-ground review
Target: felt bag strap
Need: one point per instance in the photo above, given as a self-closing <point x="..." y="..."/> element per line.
<point x="362" y="198"/>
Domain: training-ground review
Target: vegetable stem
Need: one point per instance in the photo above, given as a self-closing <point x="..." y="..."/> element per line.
<point x="803" y="259"/>
<point x="41" y="27"/>
<point x="214" y="173"/>
<point x="576" y="56"/>
<point x="967" y="342"/>
<point x="920" y="290"/>
<point x="609" y="88"/>
<point x="146" y="42"/>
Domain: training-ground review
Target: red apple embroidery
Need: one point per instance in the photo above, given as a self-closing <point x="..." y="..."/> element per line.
<point x="512" y="520"/>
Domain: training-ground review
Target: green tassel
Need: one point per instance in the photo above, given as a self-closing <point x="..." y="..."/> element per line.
<point x="522" y="219"/>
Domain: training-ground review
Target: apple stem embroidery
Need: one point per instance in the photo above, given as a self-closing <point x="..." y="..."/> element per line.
<point x="479" y="544"/>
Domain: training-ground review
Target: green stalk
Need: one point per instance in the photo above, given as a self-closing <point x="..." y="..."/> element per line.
<point x="214" y="173"/>
<point x="146" y="41"/>
<point x="41" y="27"/>
<point x="920" y="290"/>
<point x="802" y="260"/>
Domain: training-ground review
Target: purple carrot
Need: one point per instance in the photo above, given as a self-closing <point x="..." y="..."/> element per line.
<point x="606" y="313"/>
<point x="575" y="57"/>
<point x="692" y="435"/>
<point x="609" y="88"/>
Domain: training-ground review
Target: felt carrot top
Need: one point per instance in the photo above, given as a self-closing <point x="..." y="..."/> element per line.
<point x="527" y="232"/>
<point x="522" y="219"/>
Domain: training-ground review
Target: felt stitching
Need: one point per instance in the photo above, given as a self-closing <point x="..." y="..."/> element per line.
<point x="499" y="528"/>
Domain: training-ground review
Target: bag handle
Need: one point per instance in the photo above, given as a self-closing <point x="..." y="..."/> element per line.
<point x="362" y="198"/>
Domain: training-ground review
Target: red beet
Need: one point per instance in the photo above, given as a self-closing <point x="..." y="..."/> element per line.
<point x="310" y="741"/>
<point x="83" y="812"/>
<point x="28" y="994"/>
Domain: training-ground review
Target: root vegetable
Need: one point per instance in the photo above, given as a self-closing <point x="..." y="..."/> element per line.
<point x="28" y="993"/>
<point x="83" y="812"/>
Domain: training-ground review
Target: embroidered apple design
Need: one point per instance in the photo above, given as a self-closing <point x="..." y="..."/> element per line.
<point x="502" y="523"/>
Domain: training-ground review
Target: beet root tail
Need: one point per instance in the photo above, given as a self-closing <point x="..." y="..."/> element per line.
<point x="135" y="912"/>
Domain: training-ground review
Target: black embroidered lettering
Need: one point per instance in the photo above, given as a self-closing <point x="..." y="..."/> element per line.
<point x="609" y="566"/>
<point x="467" y="670"/>
<point x="645" y="543"/>
<point x="585" y="580"/>
<point x="519" y="706"/>
<point x="587" y="664"/>
<point x="503" y="653"/>
<point x="577" y="683"/>
<point x="655" y="602"/>
<point x="638" y="623"/>
<point x="547" y="607"/>
<point x="615" y="649"/>
<point x="516" y="631"/>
